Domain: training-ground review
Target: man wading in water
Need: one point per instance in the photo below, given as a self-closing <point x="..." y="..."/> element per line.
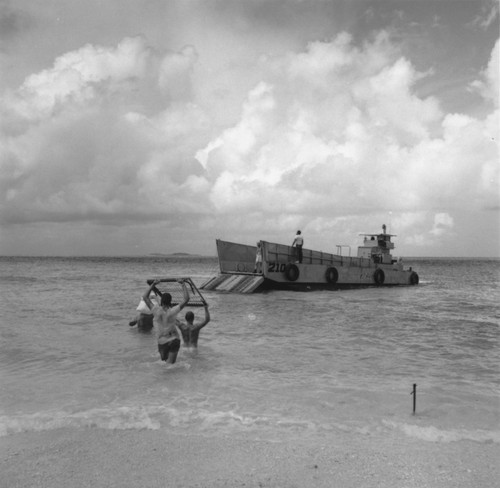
<point x="165" y="316"/>
<point x="191" y="331"/>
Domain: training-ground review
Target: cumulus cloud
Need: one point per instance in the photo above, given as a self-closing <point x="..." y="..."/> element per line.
<point x="79" y="77"/>
<point x="487" y="85"/>
<point x="103" y="132"/>
<point x="331" y="140"/>
<point x="338" y="129"/>
<point x="442" y="223"/>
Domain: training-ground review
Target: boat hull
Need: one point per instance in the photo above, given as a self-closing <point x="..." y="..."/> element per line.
<point x="318" y="270"/>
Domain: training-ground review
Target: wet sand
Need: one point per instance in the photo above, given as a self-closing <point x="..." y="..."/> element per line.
<point x="94" y="457"/>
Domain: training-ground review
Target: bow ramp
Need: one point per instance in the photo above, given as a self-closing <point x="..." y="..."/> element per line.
<point x="236" y="283"/>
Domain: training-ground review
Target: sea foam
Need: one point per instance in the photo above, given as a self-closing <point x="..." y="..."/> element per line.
<point x="434" y="434"/>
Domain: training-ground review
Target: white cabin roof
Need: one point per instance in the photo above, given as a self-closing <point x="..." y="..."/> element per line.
<point x="379" y="234"/>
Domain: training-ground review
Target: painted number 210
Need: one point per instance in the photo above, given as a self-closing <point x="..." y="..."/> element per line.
<point x="276" y="267"/>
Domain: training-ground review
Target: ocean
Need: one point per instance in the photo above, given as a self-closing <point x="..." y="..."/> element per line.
<point x="274" y="366"/>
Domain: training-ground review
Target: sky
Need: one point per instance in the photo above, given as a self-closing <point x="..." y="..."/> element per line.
<point x="134" y="127"/>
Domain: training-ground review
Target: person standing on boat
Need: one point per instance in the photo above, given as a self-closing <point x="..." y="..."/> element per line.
<point x="191" y="331"/>
<point x="298" y="242"/>
<point x="165" y="316"/>
<point x="258" y="259"/>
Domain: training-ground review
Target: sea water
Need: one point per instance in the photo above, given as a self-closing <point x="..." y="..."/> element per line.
<point x="277" y="365"/>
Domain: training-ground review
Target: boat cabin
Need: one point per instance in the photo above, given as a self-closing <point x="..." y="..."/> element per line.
<point x="377" y="247"/>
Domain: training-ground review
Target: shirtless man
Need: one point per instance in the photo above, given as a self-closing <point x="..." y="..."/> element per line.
<point x="165" y="317"/>
<point x="191" y="331"/>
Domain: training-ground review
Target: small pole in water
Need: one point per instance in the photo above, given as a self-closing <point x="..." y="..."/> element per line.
<point x="414" y="393"/>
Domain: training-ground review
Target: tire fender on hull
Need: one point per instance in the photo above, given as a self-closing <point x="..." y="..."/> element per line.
<point x="414" y="278"/>
<point x="292" y="272"/>
<point x="332" y="275"/>
<point x="379" y="276"/>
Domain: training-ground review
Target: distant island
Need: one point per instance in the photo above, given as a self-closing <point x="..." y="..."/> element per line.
<point x="177" y="255"/>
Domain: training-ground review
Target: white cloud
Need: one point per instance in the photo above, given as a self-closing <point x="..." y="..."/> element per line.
<point x="81" y="139"/>
<point x="361" y="142"/>
<point x="79" y="76"/>
<point x="489" y="13"/>
<point x="488" y="85"/>
<point x="330" y="140"/>
<point x="358" y="144"/>
<point x="443" y="222"/>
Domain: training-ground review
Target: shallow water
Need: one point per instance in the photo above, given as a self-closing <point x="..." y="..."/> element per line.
<point x="271" y="366"/>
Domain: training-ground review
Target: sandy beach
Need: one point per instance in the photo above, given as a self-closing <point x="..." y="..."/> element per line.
<point x="108" y="458"/>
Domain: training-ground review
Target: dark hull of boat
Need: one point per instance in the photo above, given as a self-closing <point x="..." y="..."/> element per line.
<point x="318" y="270"/>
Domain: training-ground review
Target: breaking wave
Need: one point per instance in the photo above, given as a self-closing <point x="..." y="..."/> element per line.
<point x="434" y="434"/>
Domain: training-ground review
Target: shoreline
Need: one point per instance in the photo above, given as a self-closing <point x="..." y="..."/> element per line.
<point x="94" y="457"/>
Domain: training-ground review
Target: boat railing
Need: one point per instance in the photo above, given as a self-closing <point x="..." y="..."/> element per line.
<point x="342" y="246"/>
<point x="281" y="253"/>
<point x="355" y="261"/>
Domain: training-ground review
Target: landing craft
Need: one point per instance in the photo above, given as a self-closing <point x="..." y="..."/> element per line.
<point x="373" y="266"/>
